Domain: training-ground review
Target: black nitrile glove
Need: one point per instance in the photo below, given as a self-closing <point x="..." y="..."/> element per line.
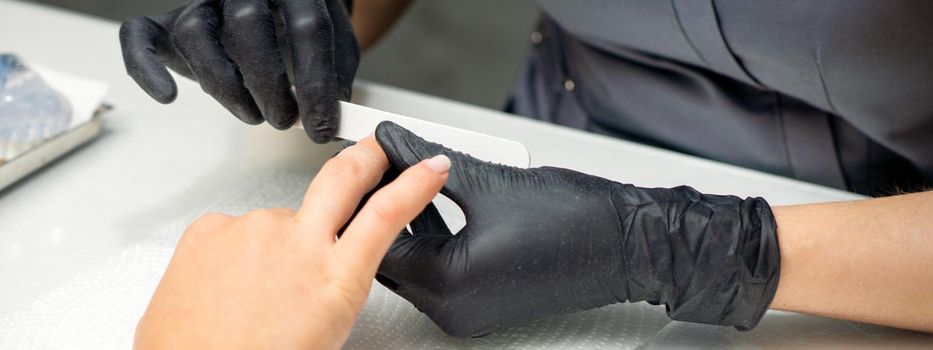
<point x="247" y="54"/>
<point x="547" y="240"/>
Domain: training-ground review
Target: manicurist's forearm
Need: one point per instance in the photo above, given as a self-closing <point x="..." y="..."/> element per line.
<point x="869" y="261"/>
<point x="373" y="18"/>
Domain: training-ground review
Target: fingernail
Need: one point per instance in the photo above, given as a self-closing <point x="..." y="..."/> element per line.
<point x="439" y="164"/>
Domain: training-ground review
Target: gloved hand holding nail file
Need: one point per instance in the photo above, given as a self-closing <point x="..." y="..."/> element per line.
<point x="546" y="240"/>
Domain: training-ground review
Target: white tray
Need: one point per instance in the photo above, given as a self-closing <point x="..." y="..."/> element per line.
<point x="86" y="97"/>
<point x="47" y="152"/>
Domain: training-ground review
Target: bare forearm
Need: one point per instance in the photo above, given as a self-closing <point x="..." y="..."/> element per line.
<point x="373" y="18"/>
<point x="869" y="261"/>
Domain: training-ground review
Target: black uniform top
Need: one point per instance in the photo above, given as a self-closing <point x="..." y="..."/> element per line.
<point x="835" y="92"/>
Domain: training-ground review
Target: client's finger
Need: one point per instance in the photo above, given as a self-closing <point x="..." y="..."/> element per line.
<point x="335" y="192"/>
<point x="373" y="230"/>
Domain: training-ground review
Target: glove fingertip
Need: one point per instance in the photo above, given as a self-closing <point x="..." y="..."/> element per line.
<point x="321" y="123"/>
<point x="156" y="82"/>
<point x="390" y="137"/>
<point x="164" y="92"/>
<point x="405" y="148"/>
<point x="386" y="128"/>
<point x="321" y="134"/>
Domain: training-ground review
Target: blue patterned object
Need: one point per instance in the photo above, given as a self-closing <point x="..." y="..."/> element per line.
<point x="30" y="111"/>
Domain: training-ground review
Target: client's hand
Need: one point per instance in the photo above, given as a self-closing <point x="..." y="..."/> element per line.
<point x="280" y="279"/>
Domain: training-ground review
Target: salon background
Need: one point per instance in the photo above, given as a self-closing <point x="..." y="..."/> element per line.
<point x="440" y="47"/>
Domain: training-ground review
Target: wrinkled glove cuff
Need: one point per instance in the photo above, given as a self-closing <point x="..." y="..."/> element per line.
<point x="708" y="258"/>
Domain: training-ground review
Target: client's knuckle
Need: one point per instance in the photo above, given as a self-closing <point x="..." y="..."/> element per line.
<point x="261" y="216"/>
<point x="343" y="166"/>
<point x="383" y="210"/>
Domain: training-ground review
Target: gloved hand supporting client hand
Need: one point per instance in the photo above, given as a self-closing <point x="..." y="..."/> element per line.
<point x="547" y="240"/>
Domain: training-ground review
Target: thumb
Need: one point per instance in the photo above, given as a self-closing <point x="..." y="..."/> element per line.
<point x="468" y="175"/>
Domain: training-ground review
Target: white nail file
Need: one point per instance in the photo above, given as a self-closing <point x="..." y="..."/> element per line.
<point x="357" y="122"/>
